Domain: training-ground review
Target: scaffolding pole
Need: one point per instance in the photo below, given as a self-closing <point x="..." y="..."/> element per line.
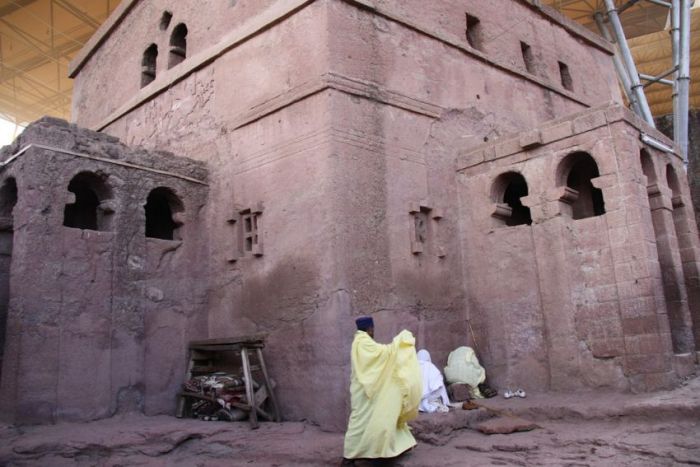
<point x="630" y="78"/>
<point x="619" y="66"/>
<point x="682" y="88"/>
<point x="636" y="87"/>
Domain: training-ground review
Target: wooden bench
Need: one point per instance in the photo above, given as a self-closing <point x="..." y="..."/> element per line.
<point x="206" y="357"/>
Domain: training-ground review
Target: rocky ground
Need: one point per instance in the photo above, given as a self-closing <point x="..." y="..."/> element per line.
<point x="581" y="429"/>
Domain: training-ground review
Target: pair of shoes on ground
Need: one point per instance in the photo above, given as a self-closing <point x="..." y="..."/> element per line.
<point x="517" y="393"/>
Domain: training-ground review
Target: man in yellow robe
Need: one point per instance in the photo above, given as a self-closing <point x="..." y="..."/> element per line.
<point x="385" y="391"/>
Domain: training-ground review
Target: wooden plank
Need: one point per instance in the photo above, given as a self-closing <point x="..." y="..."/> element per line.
<point x="260" y="396"/>
<point x="224" y="347"/>
<point x="197" y="354"/>
<point x="179" y="412"/>
<point x="264" y="414"/>
<point x="229" y="368"/>
<point x="216" y="347"/>
<point x="267" y="383"/>
<point x="209" y="369"/>
<point x="249" y="339"/>
<point x="250" y="393"/>
<point x="239" y="405"/>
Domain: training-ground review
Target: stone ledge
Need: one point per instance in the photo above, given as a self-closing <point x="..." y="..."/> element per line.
<point x="682" y="403"/>
<point x="557" y="130"/>
<point x="100" y="36"/>
<point x="340" y="83"/>
<point x="265" y="20"/>
<point x="570" y="26"/>
<point x="439" y="428"/>
<point x="169" y="78"/>
<point x="552" y="86"/>
<point x="57" y="136"/>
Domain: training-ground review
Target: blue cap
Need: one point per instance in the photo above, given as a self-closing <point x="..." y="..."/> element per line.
<point x="364" y="323"/>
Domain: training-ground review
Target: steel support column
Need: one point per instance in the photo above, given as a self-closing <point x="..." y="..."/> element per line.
<point x="635" y="84"/>
<point x="619" y="66"/>
<point x="680" y="113"/>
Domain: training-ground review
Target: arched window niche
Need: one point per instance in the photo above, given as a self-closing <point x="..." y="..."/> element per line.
<point x="649" y="171"/>
<point x="148" y="65"/>
<point x="507" y="191"/>
<point x="647" y="166"/>
<point x="674" y="184"/>
<point x="178" y="45"/>
<point x="8" y="199"/>
<point x="576" y="172"/>
<point x="163" y="214"/>
<point x="165" y="20"/>
<point x="91" y="208"/>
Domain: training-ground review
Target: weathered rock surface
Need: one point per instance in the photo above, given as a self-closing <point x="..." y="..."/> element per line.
<point x="361" y="157"/>
<point x="505" y="426"/>
<point x="338" y="123"/>
<point x="99" y="308"/>
<point x="458" y="392"/>
<point x="576" y="429"/>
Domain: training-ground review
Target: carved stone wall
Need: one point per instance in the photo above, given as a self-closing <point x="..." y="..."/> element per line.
<point x="330" y="131"/>
<point x="597" y="292"/>
<point x="96" y="308"/>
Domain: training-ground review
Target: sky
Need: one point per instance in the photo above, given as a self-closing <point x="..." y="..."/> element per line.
<point x="8" y="132"/>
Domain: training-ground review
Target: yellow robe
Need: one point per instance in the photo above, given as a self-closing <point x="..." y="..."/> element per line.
<point x="385" y="391"/>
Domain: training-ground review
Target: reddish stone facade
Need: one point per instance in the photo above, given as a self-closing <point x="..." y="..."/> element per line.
<point x="98" y="302"/>
<point x="596" y="283"/>
<point x="462" y="171"/>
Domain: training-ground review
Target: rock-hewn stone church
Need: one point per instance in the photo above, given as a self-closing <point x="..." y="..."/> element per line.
<point x="466" y="171"/>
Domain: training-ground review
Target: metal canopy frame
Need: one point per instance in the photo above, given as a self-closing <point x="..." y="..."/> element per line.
<point x="37" y="40"/>
<point x="631" y="79"/>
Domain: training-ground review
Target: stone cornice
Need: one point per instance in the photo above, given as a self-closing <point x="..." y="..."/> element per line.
<point x="277" y="14"/>
<point x="100" y="36"/>
<point x="344" y="84"/>
<point x="170" y="77"/>
<point x="463" y="47"/>
<point x="569" y="25"/>
<point x="32" y="148"/>
<point x="556" y="130"/>
<point x="332" y="81"/>
<point x="125" y="7"/>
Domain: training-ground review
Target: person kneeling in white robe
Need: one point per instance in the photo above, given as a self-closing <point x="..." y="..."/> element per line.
<point x="434" y="393"/>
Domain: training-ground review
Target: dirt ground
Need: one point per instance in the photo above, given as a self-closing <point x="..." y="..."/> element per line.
<point x="582" y="429"/>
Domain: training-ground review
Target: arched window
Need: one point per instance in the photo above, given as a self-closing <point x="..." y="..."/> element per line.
<point x="507" y="191"/>
<point x="148" y="65"/>
<point x="672" y="181"/>
<point x="528" y="58"/>
<point x="647" y="166"/>
<point x="576" y="171"/>
<point x="90" y="210"/>
<point x="8" y="199"/>
<point x="165" y="20"/>
<point x="161" y="205"/>
<point x="565" y="76"/>
<point x="474" y="32"/>
<point x="178" y="45"/>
